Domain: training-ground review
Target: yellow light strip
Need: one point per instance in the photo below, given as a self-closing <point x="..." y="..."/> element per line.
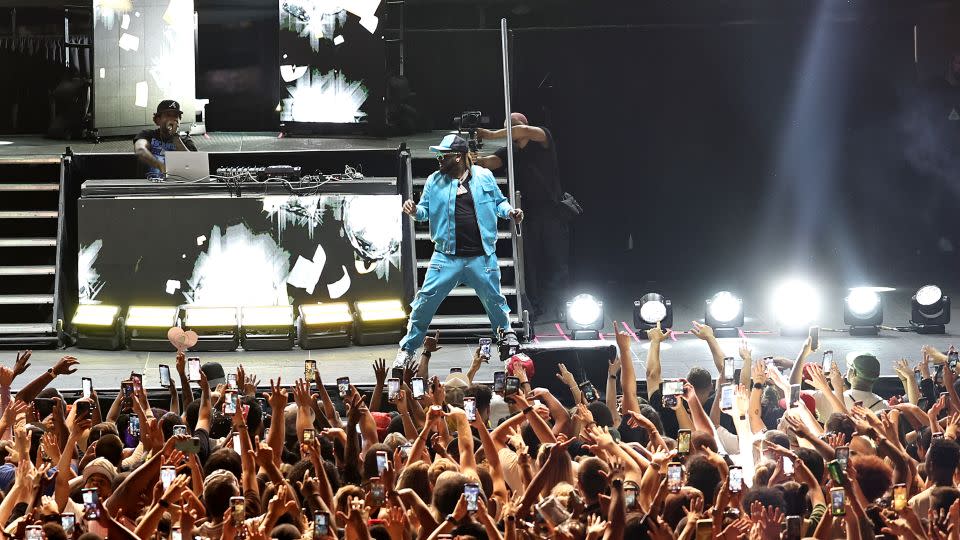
<point x="95" y="315"/>
<point x="151" y="316"/>
<point x="333" y="313"/>
<point x="381" y="310"/>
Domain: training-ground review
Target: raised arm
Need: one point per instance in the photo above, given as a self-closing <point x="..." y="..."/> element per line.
<point x="204" y="414"/>
<point x="520" y="132"/>
<point x="539" y="425"/>
<point x="705" y="333"/>
<point x="64" y="366"/>
<point x="628" y="376"/>
<point x="185" y="391"/>
<point x="380" y="374"/>
<point x="610" y="396"/>
<point x="654" y="372"/>
<point x="796" y="376"/>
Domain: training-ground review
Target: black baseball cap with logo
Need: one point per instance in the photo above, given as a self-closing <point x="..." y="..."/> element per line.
<point x="168" y="105"/>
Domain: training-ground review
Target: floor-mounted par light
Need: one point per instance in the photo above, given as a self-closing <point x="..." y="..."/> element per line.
<point x="326" y="325"/>
<point x="863" y="311"/>
<point x="267" y="328"/>
<point x="796" y="307"/>
<point x="146" y="327"/>
<point x="98" y="326"/>
<point x="930" y="310"/>
<point x="724" y="314"/>
<point x="218" y="328"/>
<point x="379" y="322"/>
<point x="650" y="309"/>
<point x="585" y="317"/>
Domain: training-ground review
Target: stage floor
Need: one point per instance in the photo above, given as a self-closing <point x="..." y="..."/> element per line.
<point x="108" y="368"/>
<point x="35" y="146"/>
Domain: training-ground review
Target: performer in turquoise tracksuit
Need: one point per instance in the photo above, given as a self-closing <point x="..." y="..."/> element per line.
<point x="462" y="203"/>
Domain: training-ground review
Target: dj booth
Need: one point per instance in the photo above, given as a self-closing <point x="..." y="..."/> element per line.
<point x="252" y="243"/>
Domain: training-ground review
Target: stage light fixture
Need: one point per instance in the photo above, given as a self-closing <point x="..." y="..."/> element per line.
<point x="146" y="328"/>
<point x="930" y="310"/>
<point x="98" y="326"/>
<point x="650" y="309"/>
<point x="379" y="322"/>
<point x="585" y="317"/>
<point x="724" y="314"/>
<point x="863" y="311"/>
<point x="796" y="307"/>
<point x="216" y="327"/>
<point x="322" y="326"/>
<point x="267" y="328"/>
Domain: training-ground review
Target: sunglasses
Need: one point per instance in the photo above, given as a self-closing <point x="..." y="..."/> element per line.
<point x="442" y="156"/>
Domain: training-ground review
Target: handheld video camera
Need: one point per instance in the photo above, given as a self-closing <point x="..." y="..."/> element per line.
<point x="507" y="343"/>
<point x="467" y="124"/>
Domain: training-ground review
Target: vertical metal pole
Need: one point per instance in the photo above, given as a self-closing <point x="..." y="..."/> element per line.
<point x="504" y="44"/>
<point x="511" y="189"/>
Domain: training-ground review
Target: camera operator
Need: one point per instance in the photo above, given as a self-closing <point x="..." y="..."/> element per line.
<point x="546" y="243"/>
<point x="462" y="203"/>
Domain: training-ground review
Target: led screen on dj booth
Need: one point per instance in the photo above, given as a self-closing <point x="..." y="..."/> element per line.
<point x="248" y="251"/>
<point x="332" y="61"/>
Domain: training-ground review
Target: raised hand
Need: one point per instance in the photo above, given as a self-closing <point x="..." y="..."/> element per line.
<point x="903" y="369"/>
<point x="817" y="378"/>
<point x="935" y="356"/>
<point x="566" y="376"/>
<point x="702" y="331"/>
<point x="595" y="526"/>
<point x="745" y="353"/>
<point x="276" y="397"/>
<point x="623" y="338"/>
<point x="22" y="363"/>
<point x="613" y="369"/>
<point x="380" y="370"/>
<point x="657" y="334"/>
<point x="430" y="343"/>
<point x="65" y="366"/>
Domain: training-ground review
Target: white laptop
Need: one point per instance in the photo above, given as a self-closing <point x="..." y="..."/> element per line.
<point x="187" y="165"/>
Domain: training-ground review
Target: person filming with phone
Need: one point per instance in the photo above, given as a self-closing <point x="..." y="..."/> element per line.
<point x="462" y="202"/>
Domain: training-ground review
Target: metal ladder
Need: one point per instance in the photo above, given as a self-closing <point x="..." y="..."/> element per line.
<point x="461" y="316"/>
<point x="31" y="211"/>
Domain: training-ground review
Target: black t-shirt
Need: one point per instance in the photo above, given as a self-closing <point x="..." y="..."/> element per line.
<point x="469" y="243"/>
<point x="536" y="172"/>
<point x="159" y="147"/>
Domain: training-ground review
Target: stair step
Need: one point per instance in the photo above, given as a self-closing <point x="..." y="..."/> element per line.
<point x="27" y="328"/>
<point x="30" y="187"/>
<point x="26" y="299"/>
<point x="465" y="320"/>
<point x="502" y="263"/>
<point x="27" y="270"/>
<point x="28" y="214"/>
<point x="469" y="291"/>
<point x="501" y="235"/>
<point x="28" y="242"/>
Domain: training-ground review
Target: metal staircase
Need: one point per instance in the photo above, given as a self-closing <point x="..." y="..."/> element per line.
<point x="461" y="316"/>
<point x="31" y="208"/>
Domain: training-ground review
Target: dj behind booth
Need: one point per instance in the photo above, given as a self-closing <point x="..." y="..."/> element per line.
<point x="245" y="230"/>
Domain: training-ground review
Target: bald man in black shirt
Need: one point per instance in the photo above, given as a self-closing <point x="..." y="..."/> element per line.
<point x="546" y="242"/>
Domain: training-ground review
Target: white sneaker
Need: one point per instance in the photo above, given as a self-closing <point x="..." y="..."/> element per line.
<point x="403" y="358"/>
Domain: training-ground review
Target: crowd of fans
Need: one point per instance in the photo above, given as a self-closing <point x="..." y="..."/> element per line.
<point x="777" y="449"/>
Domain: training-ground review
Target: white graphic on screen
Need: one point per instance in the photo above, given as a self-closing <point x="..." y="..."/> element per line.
<point x="239" y="268"/>
<point x="88" y="279"/>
